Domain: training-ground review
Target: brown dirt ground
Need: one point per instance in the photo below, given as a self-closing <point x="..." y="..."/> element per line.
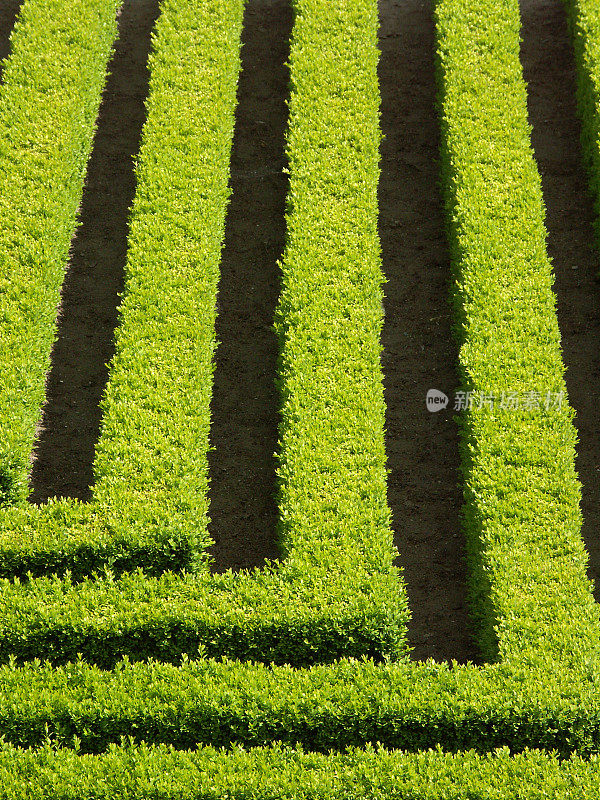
<point x="8" y="15"/>
<point x="419" y="351"/>
<point x="245" y="403"/>
<point x="70" y="423"/>
<point x="548" y="67"/>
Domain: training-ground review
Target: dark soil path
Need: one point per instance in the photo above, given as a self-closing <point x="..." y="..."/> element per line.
<point x="9" y="11"/>
<point x="419" y="352"/>
<point x="548" y="66"/>
<point x="70" y="426"/>
<point x="245" y="402"/>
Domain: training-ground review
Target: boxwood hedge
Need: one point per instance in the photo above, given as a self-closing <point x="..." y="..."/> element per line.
<point x="336" y="592"/>
<point x="538" y="624"/>
<point x="279" y="772"/>
<point x="149" y="500"/>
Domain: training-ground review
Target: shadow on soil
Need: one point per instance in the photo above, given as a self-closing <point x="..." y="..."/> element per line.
<point x="549" y="69"/>
<point x="244" y="406"/>
<point x="419" y="353"/>
<point x="70" y="425"/>
<point x="8" y="16"/>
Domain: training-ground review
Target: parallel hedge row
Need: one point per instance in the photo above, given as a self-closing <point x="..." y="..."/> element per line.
<point x="325" y="707"/>
<point x="521" y="516"/>
<point x="277" y="773"/>
<point x="52" y="84"/>
<point x="337" y="592"/>
<point x="332" y="460"/>
<point x="584" y="23"/>
<point x="150" y="496"/>
<point x="282" y="616"/>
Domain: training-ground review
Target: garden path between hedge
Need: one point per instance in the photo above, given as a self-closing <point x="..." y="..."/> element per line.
<point x="549" y="69"/>
<point x="419" y="353"/>
<point x="87" y="315"/>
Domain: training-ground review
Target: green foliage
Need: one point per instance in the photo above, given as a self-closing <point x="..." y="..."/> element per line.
<point x="411" y="706"/>
<point x="332" y="460"/>
<point x="270" y="615"/>
<point x="281" y="773"/>
<point x="150" y="505"/>
<point x="52" y="84"/>
<point x="584" y="23"/>
<point x="522" y="519"/>
<point x="336" y="597"/>
<point x="337" y="593"/>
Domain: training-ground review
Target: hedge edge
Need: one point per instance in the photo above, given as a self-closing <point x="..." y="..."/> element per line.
<point x="149" y="504"/>
<point x="584" y="24"/>
<point x="337" y="592"/>
<point x="280" y="772"/>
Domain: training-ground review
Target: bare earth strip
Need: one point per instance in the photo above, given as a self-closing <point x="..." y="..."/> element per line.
<point x="548" y="66"/>
<point x="70" y="425"/>
<point x="244" y="407"/>
<point x="419" y="352"/>
<point x="9" y="12"/>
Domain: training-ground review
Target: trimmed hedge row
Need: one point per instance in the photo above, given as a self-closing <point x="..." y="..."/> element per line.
<point x="522" y="501"/>
<point x="528" y="584"/>
<point x="337" y="592"/>
<point x="584" y="24"/>
<point x="279" y="772"/>
<point x="325" y="707"/>
<point x="150" y="496"/>
<point x="52" y="85"/>
<point x="151" y="464"/>
<point x="332" y="474"/>
<point x="281" y="616"/>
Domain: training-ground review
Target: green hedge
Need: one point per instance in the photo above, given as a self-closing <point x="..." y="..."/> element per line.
<point x="269" y="615"/>
<point x="522" y="518"/>
<point x="536" y="611"/>
<point x="332" y="473"/>
<point x="325" y="707"/>
<point x="49" y="99"/>
<point x="337" y="592"/>
<point x="584" y="24"/>
<point x="278" y="772"/>
<point x="150" y="505"/>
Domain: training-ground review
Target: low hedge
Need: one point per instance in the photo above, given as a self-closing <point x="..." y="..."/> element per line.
<point x="337" y="592"/>
<point x="279" y="772"/>
<point x="529" y="590"/>
<point x="149" y="504"/>
<point x="411" y="706"/>
<point x="584" y="25"/>
<point x="332" y="473"/>
<point x="49" y="100"/>
<point x="273" y="615"/>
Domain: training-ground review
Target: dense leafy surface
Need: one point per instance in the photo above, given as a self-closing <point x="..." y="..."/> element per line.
<point x="320" y="638"/>
<point x="279" y="773"/>
<point x="48" y="107"/>
<point x="522" y="516"/>
<point x="584" y="22"/>
<point x="337" y="592"/>
<point x="150" y="493"/>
